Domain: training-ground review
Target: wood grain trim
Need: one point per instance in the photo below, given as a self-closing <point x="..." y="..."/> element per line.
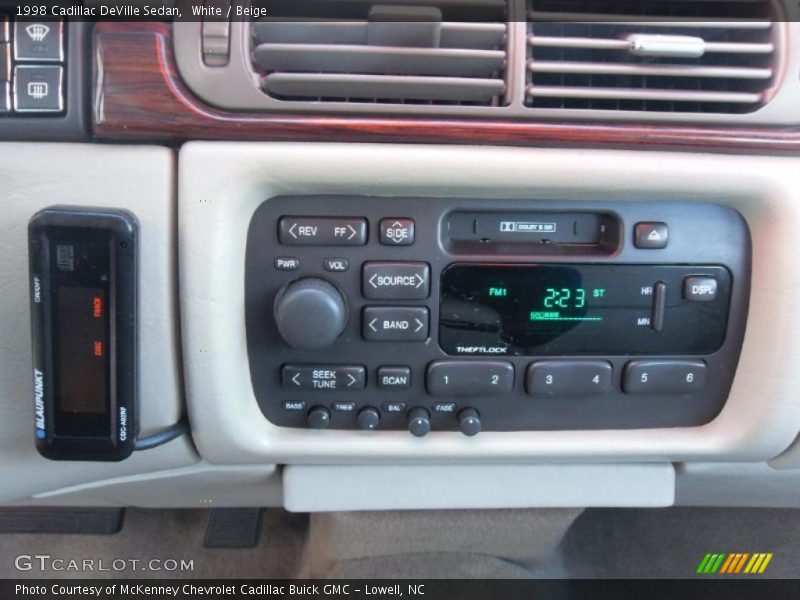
<point x="139" y="96"/>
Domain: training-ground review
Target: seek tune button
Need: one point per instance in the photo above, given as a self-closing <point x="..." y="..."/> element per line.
<point x="324" y="378"/>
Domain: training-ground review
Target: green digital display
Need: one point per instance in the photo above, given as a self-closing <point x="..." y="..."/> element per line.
<point x="551" y="310"/>
<point x="566" y="298"/>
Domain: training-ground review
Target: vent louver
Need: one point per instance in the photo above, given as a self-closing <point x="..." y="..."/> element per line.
<point x="654" y="55"/>
<point x="395" y="52"/>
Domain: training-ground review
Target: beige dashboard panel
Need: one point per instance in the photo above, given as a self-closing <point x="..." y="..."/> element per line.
<point x="221" y="185"/>
<point x="140" y="179"/>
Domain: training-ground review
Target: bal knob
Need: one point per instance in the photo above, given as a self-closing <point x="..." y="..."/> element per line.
<point x="310" y="313"/>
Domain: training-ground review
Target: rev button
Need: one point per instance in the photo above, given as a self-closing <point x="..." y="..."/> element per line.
<point x="323" y="377"/>
<point x="322" y="231"/>
<point x="396" y="280"/>
<point x="395" y="323"/>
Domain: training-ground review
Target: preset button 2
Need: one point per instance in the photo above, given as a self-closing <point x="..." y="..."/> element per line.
<point x="396" y="280"/>
<point x="324" y="377"/>
<point x="395" y="323"/>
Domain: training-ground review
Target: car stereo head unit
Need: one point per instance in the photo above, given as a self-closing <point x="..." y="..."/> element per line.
<point x="438" y="314"/>
<point x="83" y="265"/>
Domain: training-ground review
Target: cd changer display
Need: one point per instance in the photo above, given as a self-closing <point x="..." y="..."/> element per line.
<point x="540" y="232"/>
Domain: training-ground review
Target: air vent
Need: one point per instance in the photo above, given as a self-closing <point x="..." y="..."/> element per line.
<point x="657" y="55"/>
<point x="450" y="52"/>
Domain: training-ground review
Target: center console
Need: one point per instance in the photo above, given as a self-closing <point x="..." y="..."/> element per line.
<point x="432" y="314"/>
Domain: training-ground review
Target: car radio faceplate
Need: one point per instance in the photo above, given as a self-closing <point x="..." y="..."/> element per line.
<point x="447" y="314"/>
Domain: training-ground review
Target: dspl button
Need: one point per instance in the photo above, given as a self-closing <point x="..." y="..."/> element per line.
<point x="700" y="288"/>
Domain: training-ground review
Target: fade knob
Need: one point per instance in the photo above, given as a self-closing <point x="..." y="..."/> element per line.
<point x="419" y="421"/>
<point x="310" y="313"/>
<point x="469" y="421"/>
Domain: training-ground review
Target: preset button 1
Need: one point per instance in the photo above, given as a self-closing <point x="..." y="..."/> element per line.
<point x="470" y="378"/>
<point x="323" y="378"/>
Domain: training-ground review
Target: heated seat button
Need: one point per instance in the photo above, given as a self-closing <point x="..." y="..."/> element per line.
<point x="470" y="378"/>
<point x="396" y="280"/>
<point x="323" y="378"/>
<point x="394" y="378"/>
<point x="395" y="323"/>
<point x="568" y="378"/>
<point x="664" y="376"/>
<point x="322" y="231"/>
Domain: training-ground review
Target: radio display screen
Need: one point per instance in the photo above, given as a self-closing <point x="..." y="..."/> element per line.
<point x="82" y="338"/>
<point x="546" y="310"/>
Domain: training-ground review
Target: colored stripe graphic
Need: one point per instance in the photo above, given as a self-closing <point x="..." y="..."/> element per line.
<point x="734" y="563"/>
<point x="727" y="565"/>
<point x="755" y="562"/>
<point x="741" y="562"/>
<point x="703" y="563"/>
<point x="711" y="563"/>
<point x="764" y="564"/>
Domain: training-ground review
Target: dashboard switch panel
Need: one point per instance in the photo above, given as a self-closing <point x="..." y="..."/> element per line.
<point x="469" y="315"/>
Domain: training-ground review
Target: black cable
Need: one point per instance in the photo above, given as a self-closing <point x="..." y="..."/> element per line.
<point x="162" y="437"/>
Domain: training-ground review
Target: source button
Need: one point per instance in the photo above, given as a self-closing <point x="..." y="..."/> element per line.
<point x="396" y="280"/>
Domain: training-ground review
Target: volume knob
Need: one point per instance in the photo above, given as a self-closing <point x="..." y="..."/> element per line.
<point x="310" y="313"/>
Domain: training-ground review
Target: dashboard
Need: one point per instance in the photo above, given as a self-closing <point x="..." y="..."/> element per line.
<point x="504" y="256"/>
